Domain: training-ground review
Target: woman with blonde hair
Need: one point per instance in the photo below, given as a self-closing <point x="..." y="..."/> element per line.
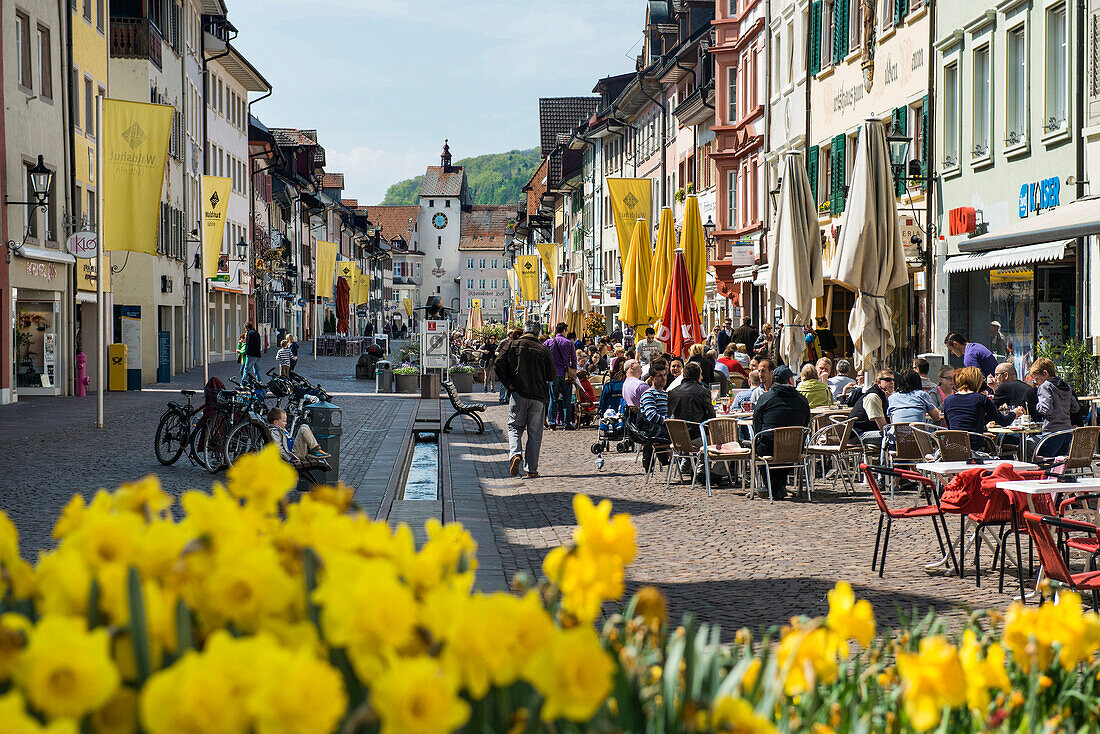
<point x="697" y="353"/>
<point x="292" y="342"/>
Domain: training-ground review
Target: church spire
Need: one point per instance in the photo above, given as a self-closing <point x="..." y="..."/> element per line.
<point x="445" y="159"/>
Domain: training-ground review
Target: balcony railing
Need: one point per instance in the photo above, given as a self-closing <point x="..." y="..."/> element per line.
<point x="135" y="38"/>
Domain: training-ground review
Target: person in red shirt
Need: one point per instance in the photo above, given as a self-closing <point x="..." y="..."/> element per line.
<point x="732" y="364"/>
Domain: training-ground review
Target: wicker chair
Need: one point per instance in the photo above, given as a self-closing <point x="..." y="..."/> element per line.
<point x="1082" y="447"/>
<point x="923" y="436"/>
<point x="788" y="452"/>
<point x="720" y="445"/>
<point x="679" y="435"/>
<point x="961" y="445"/>
<point x="833" y="441"/>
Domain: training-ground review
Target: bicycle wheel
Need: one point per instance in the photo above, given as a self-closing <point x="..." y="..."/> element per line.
<point x="244" y="438"/>
<point x="171" y="437"/>
<point x="217" y="428"/>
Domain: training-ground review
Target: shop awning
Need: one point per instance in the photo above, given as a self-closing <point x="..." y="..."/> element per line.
<point x="1008" y="258"/>
<point x="1077" y="219"/>
<point x="744" y="275"/>
<point x="762" y="276"/>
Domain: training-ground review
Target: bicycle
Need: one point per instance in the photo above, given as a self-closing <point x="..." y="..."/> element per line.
<point x="175" y="431"/>
<point x="249" y="432"/>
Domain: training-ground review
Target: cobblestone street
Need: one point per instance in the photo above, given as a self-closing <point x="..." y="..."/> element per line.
<point x="732" y="560"/>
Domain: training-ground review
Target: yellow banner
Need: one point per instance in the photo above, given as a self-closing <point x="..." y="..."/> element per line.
<point x="361" y="288"/>
<point x="326" y="267"/>
<point x="86" y="274"/>
<point x="630" y="201"/>
<point x="135" y="139"/>
<point x="408" y="304"/>
<point x="215" y="204"/>
<point x="549" y="253"/>
<point x="527" y="272"/>
<point x="347" y="269"/>
<point x="476" y="302"/>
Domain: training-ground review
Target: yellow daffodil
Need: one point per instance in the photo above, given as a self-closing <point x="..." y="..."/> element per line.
<point x="651" y="607"/>
<point x="15" y="629"/>
<point x="339" y="497"/>
<point x="107" y="537"/>
<point x="585" y="579"/>
<point x="261" y="478"/>
<point x="14" y="718"/>
<point x="318" y="702"/>
<point x="9" y="539"/>
<point x="418" y="696"/>
<point x="144" y="497"/>
<point x="812" y="657"/>
<point x="600" y="532"/>
<point x="730" y="714"/>
<point x="984" y="670"/>
<point x="573" y="673"/>
<point x="1031" y="633"/>
<point x="63" y="579"/>
<point x="119" y="715"/>
<point x="66" y="670"/>
<point x="72" y="517"/>
<point x="247" y="587"/>
<point x="192" y="695"/>
<point x="850" y="619"/>
<point x="932" y="679"/>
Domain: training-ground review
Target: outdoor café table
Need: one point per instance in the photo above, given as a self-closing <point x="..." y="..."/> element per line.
<point x="1032" y="487"/>
<point x="830" y="409"/>
<point x="1016" y="429"/>
<point x="1092" y="400"/>
<point x="948" y="469"/>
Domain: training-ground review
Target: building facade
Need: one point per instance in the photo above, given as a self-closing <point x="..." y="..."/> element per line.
<point x="484" y="273"/>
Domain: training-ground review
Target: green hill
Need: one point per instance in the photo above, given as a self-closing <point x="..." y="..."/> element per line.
<point x="492" y="179"/>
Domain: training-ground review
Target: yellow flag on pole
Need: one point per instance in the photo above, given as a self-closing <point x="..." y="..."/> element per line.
<point x="362" y="288"/>
<point x="408" y="304"/>
<point x="347" y="269"/>
<point x="548" y="251"/>
<point x="215" y="204"/>
<point x="630" y="201"/>
<point x="135" y="140"/>
<point x="326" y="267"/>
<point x="527" y="271"/>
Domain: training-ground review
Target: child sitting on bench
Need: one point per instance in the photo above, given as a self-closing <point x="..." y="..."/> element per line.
<point x="302" y="444"/>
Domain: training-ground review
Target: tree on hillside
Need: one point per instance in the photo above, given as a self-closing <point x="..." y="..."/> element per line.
<point x="496" y="178"/>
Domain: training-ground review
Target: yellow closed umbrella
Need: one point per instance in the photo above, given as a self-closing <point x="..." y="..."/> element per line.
<point x="693" y="240"/>
<point x="637" y="272"/>
<point x="662" y="263"/>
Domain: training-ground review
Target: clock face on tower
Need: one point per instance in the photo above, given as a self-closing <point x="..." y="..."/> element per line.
<point x="439" y="221"/>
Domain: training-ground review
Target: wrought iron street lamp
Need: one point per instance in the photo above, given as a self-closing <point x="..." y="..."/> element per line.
<point x="41" y="180"/>
<point x="774" y="194"/>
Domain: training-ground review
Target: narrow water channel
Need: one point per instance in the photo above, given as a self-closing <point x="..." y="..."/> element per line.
<point x="422" y="481"/>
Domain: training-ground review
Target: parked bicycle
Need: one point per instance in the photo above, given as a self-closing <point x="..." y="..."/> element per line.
<point x="177" y="430"/>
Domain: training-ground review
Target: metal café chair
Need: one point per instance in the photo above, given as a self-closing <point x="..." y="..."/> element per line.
<point x="833" y="441"/>
<point x="720" y="445"/>
<point x="1082" y="447"/>
<point x="788" y="452"/>
<point x="682" y="449"/>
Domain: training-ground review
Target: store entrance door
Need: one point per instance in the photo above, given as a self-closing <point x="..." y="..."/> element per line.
<point x="36" y="346"/>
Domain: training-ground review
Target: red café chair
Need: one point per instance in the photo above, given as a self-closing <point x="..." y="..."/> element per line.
<point x="889" y="514"/>
<point x="1053" y="563"/>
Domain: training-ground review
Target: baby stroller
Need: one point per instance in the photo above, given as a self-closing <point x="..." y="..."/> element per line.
<point x="611" y="428"/>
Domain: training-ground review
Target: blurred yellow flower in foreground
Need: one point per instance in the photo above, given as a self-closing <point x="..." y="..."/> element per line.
<point x="14" y="718"/>
<point x="731" y="714"/>
<point x="573" y="674"/>
<point x="417" y="696"/>
<point x="262" y="478"/>
<point x="848" y="618"/>
<point x="66" y="670"/>
<point x="1077" y="632"/>
<point x="932" y="678"/>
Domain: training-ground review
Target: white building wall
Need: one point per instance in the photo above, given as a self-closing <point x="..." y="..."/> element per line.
<point x="440" y="248"/>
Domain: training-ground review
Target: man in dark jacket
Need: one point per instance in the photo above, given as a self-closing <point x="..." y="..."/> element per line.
<point x="564" y="354"/>
<point x="781" y="406"/>
<point x="253" y="350"/>
<point x="524" y="366"/>
<point x="725" y="336"/>
<point x="691" y="401"/>
<point x="745" y="334"/>
<point x="1012" y="392"/>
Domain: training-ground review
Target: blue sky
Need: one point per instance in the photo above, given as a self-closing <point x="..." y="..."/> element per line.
<point x="384" y="81"/>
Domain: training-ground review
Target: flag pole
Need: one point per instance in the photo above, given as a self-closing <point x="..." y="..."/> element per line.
<point x="101" y="331"/>
<point x="316" y="300"/>
<point x="205" y="317"/>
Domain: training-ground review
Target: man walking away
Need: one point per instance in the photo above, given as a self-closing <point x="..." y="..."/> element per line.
<point x="781" y="406"/>
<point x="564" y="354"/>
<point x="252" y="353"/>
<point x="973" y="354"/>
<point x="745" y="334"/>
<point x="488" y="359"/>
<point x="524" y="366"/>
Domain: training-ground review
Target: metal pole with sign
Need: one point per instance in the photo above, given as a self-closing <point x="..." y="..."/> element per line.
<point x="435" y="345"/>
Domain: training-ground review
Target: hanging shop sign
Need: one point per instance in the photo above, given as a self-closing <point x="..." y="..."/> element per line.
<point x="83" y="245"/>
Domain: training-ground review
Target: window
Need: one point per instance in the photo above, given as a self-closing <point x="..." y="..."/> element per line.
<point x="89" y="108"/>
<point x="91" y="210"/>
<point x="777" y="46"/>
<point x="431" y="203"/>
<point x="980" y="129"/>
<point x="493" y="283"/>
<point x="45" y="63"/>
<point x="855" y="24"/>
<point x="840" y="30"/>
<point x="446" y="203"/>
<point x="790" y="52"/>
<point x="951" y="115"/>
<point x="493" y="303"/>
<point x="493" y="264"/>
<point x="439" y="242"/>
<point x="828" y="21"/>
<point x="481" y="264"/>
<point x="23" y="41"/>
<point x="481" y="284"/>
<point x="88" y="10"/>
<point x="812" y="170"/>
<point x="1056" y="78"/>
<point x="1016" y="87"/>
<point x="418" y="270"/>
<point x="99" y="15"/>
<point x="731" y="199"/>
<point x="814" y="60"/>
<point x="469" y="263"/>
<point x="28" y="195"/>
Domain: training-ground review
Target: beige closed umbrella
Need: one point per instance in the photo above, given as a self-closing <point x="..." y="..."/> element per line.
<point x="577" y="305"/>
<point x="794" y="255"/>
<point x="870" y="257"/>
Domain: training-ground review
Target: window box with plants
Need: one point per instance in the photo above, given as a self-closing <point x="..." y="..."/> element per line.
<point x="406" y="379"/>
<point x="462" y="376"/>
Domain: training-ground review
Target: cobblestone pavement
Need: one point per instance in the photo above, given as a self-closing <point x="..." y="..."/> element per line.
<point x="51" y="448"/>
<point x="732" y="560"/>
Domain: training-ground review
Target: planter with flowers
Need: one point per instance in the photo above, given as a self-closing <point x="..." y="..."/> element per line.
<point x="406" y="379"/>
<point x="462" y="376"/>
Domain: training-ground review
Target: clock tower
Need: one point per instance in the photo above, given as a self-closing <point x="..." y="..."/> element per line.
<point x="443" y="195"/>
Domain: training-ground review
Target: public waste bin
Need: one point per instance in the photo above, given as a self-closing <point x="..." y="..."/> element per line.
<point x="429" y="386"/>
<point x="116" y="367"/>
<point x="383" y="376"/>
<point x="326" y="420"/>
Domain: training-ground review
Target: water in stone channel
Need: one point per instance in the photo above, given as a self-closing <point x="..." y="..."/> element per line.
<point x="423" y="478"/>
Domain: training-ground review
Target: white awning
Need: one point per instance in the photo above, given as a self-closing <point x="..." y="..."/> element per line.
<point x="1008" y="258"/>
<point x="744" y="275"/>
<point x="1076" y="219"/>
<point x="762" y="276"/>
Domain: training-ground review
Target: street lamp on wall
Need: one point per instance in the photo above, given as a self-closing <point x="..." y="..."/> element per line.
<point x="774" y="194"/>
<point x="41" y="180"/>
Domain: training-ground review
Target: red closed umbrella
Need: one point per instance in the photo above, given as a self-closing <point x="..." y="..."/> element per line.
<point x="680" y="326"/>
<point x="343" y="299"/>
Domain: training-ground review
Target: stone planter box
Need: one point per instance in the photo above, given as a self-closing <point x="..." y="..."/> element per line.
<point x="407" y="384"/>
<point x="464" y="381"/>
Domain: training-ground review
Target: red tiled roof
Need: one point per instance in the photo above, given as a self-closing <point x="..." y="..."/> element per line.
<point x="485" y="227"/>
<point x="394" y="220"/>
<point x="332" y="181"/>
<point x="350" y="203"/>
<point x="536" y="187"/>
<point x="440" y="182"/>
<point x="290" y="137"/>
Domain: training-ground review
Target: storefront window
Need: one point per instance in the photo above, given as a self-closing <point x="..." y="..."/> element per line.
<point x="1056" y="317"/>
<point x="1011" y="306"/>
<point x="36" y="344"/>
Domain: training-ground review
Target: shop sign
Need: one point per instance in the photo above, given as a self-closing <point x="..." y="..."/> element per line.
<point x="83" y="245"/>
<point x="86" y="274"/>
<point x="962" y="220"/>
<point x="45" y="270"/>
<point x="1034" y="197"/>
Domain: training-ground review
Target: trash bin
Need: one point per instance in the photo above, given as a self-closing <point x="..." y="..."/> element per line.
<point x="383" y="376"/>
<point x="116" y="367"/>
<point x="326" y="420"/>
<point x="429" y="386"/>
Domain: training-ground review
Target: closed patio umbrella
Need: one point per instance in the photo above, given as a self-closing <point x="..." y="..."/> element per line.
<point x="636" y="276"/>
<point x="794" y="254"/>
<point x="474" y="322"/>
<point x="577" y="305"/>
<point x="870" y="257"/>
<point x="680" y="324"/>
<point x="343" y="302"/>
<point x="662" y="263"/>
<point x="693" y="241"/>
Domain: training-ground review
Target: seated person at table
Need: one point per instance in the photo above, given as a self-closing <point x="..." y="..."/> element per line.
<point x="741" y="354"/>
<point x="733" y="365"/>
<point x="294" y="449"/>
<point x="719" y="368"/>
<point x="870" y="410"/>
<point x="654" y="410"/>
<point x="969" y="409"/>
<point x="816" y="392"/>
<point x="1055" y="404"/>
<point x="764" y="367"/>
<point x="742" y="399"/>
<point x="633" y="387"/>
<point x="691" y="401"/>
<point x="698" y="355"/>
<point x="1012" y="392"/>
<point x="842" y="379"/>
<point x="945" y="386"/>
<point x="780" y="407"/>
<point x="910" y="403"/>
<point x="675" y="372"/>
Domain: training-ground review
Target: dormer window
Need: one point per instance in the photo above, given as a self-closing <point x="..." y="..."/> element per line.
<point x="431" y="203"/>
<point x="447" y="203"/>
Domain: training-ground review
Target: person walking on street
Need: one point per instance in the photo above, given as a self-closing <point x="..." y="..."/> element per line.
<point x="725" y="336"/>
<point x="488" y="359"/>
<point x="746" y="334"/>
<point x="564" y="354"/>
<point x="524" y="366"/>
<point x="972" y="353"/>
<point x="292" y="342"/>
<point x="252" y="353"/>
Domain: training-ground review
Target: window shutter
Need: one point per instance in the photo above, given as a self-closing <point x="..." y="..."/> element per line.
<point x="901" y="9"/>
<point x="815" y="37"/>
<point x="811" y="170"/>
<point x="839" y="178"/>
<point x="926" y="153"/>
<point x="840" y="30"/>
<point x="900" y="124"/>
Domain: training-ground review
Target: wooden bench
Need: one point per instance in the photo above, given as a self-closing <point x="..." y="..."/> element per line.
<point x="461" y="408"/>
